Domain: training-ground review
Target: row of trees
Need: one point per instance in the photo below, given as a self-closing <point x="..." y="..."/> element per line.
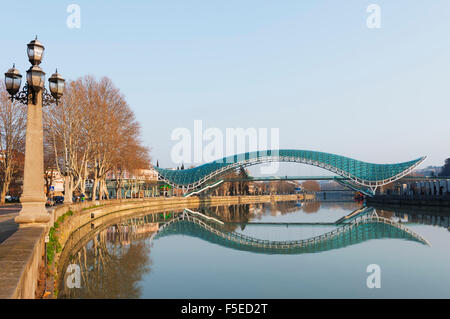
<point x="255" y="188"/>
<point x="90" y="133"/>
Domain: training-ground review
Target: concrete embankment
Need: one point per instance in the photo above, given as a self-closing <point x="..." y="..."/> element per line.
<point x="416" y="200"/>
<point x="22" y="254"/>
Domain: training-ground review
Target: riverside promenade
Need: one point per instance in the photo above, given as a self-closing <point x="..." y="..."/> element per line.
<point x="7" y="224"/>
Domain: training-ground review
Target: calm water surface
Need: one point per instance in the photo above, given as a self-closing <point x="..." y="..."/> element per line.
<point x="142" y="258"/>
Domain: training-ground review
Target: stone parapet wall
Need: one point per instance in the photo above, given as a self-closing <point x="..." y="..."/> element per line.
<point x="20" y="258"/>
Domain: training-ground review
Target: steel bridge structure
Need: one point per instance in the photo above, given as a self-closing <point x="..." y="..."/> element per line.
<point x="357" y="175"/>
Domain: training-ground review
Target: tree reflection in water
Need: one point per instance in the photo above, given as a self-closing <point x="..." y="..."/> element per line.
<point x="311" y="207"/>
<point x="244" y="213"/>
<point x="112" y="263"/>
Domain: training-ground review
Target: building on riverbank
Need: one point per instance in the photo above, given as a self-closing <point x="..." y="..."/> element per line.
<point x="137" y="184"/>
<point x="430" y="186"/>
<point x="418" y="191"/>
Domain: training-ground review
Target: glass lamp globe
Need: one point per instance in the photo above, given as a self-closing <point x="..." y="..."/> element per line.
<point x="56" y="84"/>
<point x="35" y="51"/>
<point x="35" y="78"/>
<point x="13" y="79"/>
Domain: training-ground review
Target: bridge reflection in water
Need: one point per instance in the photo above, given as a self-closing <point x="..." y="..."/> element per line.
<point x="114" y="258"/>
<point x="363" y="228"/>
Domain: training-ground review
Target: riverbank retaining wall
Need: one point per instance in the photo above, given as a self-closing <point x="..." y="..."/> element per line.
<point x="411" y="200"/>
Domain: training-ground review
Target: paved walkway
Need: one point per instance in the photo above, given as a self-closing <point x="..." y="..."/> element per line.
<point x="8" y="209"/>
<point x="7" y="224"/>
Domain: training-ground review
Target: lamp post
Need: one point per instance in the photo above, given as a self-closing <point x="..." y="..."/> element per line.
<point x="34" y="95"/>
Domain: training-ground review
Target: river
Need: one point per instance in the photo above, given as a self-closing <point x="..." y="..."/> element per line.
<point x="280" y="250"/>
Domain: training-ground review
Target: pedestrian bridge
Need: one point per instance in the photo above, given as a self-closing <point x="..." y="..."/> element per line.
<point x="365" y="227"/>
<point x="354" y="174"/>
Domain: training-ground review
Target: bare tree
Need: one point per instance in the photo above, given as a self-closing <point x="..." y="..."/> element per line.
<point x="12" y="139"/>
<point x="311" y="186"/>
<point x="112" y="124"/>
<point x="94" y="132"/>
<point x="50" y="169"/>
<point x="67" y="132"/>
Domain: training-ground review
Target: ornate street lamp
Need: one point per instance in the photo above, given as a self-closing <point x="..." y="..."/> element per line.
<point x="34" y="95"/>
<point x="35" y="79"/>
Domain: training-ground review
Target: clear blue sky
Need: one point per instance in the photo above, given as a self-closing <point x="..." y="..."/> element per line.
<point x="311" y="68"/>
